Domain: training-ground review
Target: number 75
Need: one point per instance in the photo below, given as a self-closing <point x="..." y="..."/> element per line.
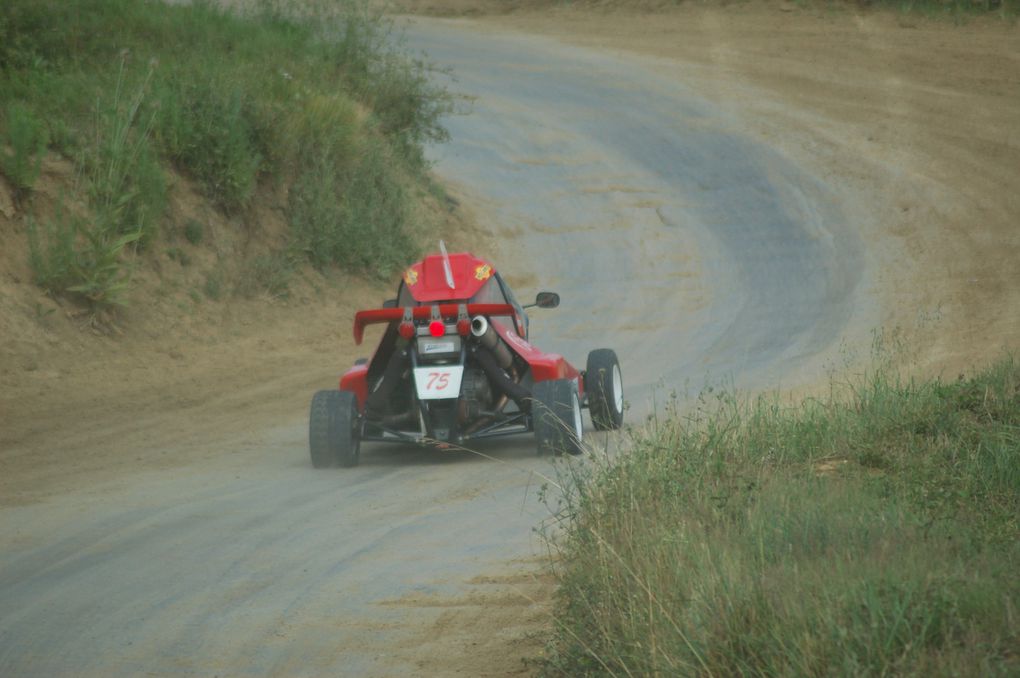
<point x="438" y="381"/>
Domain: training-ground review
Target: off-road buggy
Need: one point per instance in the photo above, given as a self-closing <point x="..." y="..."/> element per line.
<point x="455" y="364"/>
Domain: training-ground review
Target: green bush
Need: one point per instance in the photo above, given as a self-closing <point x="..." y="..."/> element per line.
<point x="204" y="127"/>
<point x="213" y="286"/>
<point x="26" y="137"/>
<point x="193" y="231"/>
<point x="356" y="217"/>
<point x="73" y="258"/>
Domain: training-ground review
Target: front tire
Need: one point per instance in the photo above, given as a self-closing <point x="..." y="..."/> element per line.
<point x="603" y="383"/>
<point x="556" y="411"/>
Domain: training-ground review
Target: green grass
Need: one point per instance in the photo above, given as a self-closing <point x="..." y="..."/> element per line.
<point x="874" y="532"/>
<point x="27" y="139"/>
<point x="320" y="96"/>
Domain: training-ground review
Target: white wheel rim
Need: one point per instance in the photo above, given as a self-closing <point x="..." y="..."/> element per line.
<point x="578" y="425"/>
<point x="618" y="388"/>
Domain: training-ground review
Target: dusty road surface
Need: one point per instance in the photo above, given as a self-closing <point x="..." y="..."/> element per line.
<point x="704" y="225"/>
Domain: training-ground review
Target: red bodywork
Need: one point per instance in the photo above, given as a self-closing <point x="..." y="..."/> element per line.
<point x="427" y="282"/>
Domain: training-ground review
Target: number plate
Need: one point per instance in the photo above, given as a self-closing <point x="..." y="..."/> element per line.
<point x="440" y="381"/>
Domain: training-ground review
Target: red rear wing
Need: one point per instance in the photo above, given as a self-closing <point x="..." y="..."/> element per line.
<point x="387" y="315"/>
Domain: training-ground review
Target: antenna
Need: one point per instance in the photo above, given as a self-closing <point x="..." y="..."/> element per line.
<point x="446" y="265"/>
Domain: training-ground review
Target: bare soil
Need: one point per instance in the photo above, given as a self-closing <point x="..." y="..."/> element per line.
<point x="874" y="95"/>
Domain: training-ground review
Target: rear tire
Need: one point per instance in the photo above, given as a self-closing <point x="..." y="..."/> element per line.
<point x="332" y="429"/>
<point x="347" y="438"/>
<point x="320" y="423"/>
<point x="603" y="384"/>
<point x="556" y="411"/>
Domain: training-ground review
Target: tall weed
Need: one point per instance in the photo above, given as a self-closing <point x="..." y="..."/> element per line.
<point x="125" y="182"/>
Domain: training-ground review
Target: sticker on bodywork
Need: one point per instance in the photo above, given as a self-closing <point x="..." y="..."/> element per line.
<point x="438" y="381"/>
<point x="483" y="272"/>
<point x="410" y="276"/>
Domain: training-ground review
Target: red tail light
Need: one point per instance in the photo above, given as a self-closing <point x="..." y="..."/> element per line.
<point x="406" y="330"/>
<point x="437" y="328"/>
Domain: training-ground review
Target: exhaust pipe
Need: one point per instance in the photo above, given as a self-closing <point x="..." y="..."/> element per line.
<point x="487" y="337"/>
<point x="500" y="380"/>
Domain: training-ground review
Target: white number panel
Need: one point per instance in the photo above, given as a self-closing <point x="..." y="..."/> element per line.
<point x="439" y="381"/>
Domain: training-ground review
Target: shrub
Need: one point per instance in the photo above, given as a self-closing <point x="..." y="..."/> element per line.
<point x="194" y="231"/>
<point x="356" y="218"/>
<point x="213" y="286"/>
<point x="26" y="137"/>
<point x="73" y="258"/>
<point x="204" y="127"/>
<point x="269" y="273"/>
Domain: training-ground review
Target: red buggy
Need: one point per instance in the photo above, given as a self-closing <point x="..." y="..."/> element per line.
<point x="455" y="364"/>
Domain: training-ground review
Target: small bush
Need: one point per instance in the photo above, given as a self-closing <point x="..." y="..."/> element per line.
<point x="213" y="286"/>
<point x="178" y="255"/>
<point x="26" y="137"/>
<point x="193" y="231"/>
<point x="270" y="274"/>
<point x="70" y="257"/>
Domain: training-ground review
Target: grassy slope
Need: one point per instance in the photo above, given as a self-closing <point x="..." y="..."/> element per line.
<point x="326" y="110"/>
<point x="876" y="532"/>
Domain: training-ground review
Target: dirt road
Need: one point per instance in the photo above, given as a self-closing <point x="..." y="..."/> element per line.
<point x="704" y="226"/>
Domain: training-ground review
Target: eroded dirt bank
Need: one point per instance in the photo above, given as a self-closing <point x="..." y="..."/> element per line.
<point x="916" y="121"/>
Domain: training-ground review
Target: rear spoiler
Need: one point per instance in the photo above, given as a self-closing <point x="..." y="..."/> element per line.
<point x="387" y="315"/>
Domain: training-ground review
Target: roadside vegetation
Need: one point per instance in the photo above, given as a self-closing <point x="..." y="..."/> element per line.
<point x="315" y="102"/>
<point x="872" y="532"/>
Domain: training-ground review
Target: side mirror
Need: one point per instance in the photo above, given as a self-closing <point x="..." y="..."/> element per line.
<point x="389" y="303"/>
<point x="546" y="300"/>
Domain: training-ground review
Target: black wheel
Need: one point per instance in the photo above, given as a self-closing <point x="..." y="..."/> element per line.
<point x="320" y="423"/>
<point x="332" y="429"/>
<point x="556" y="411"/>
<point x="603" y="384"/>
<point x="346" y="436"/>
